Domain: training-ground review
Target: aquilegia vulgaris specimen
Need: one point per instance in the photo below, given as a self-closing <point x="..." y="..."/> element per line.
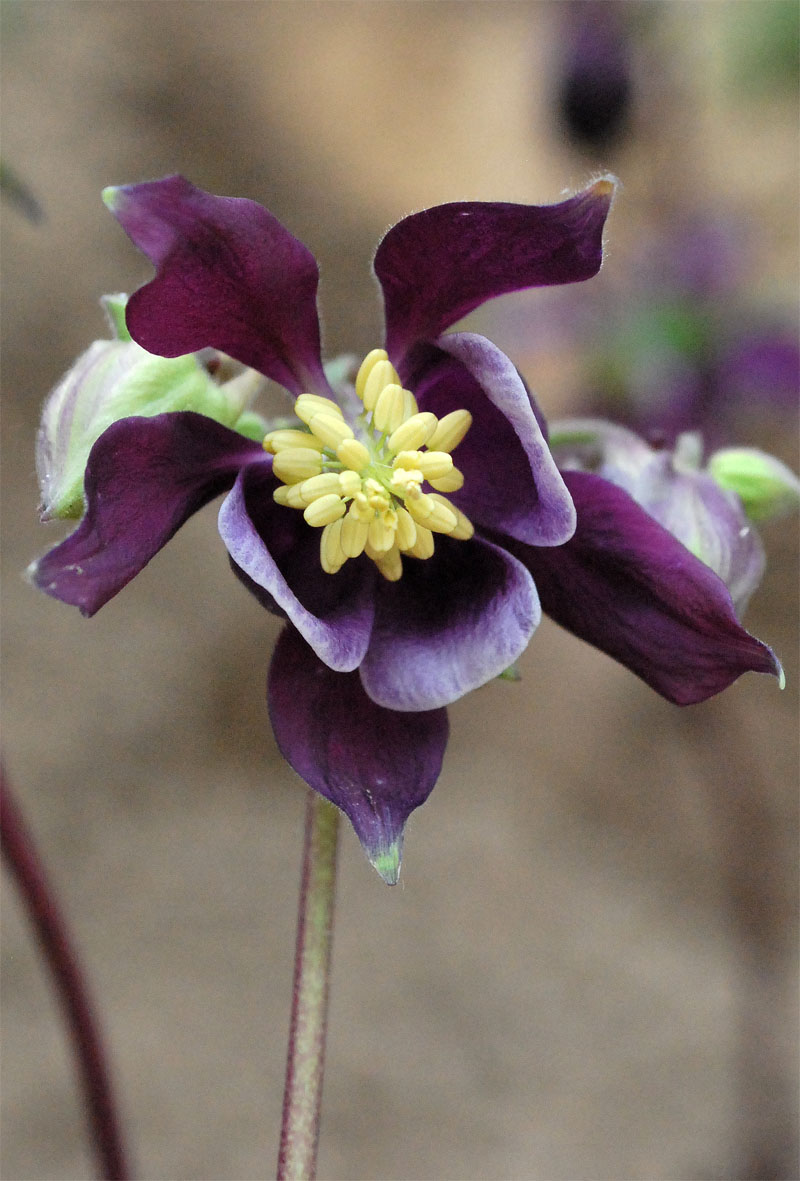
<point x="408" y="517"/>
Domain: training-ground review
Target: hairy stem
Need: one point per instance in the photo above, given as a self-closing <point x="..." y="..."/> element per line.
<point x="297" y="1159"/>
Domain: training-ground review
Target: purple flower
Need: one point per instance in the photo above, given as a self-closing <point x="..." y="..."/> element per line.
<point x="594" y="86"/>
<point x="406" y="581"/>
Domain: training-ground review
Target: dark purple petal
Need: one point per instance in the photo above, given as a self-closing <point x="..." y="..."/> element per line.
<point x="626" y="585"/>
<point x="374" y="764"/>
<point x="437" y="265"/>
<point x="450" y="624"/>
<point x="144" y="478"/>
<point x="279" y="554"/>
<point x="512" y="484"/>
<point x="229" y="275"/>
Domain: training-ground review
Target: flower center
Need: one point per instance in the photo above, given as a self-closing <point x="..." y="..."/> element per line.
<point x="364" y="485"/>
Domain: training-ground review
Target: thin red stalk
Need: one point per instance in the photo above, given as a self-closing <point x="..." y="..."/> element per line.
<point x="26" y="867"/>
<point x="302" y="1100"/>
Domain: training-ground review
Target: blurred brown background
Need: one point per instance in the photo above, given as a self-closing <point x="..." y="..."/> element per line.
<point x="589" y="969"/>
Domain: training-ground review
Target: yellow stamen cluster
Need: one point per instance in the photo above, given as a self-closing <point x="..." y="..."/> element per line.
<point x="366" y="492"/>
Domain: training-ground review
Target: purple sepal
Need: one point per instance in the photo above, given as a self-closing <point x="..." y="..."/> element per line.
<point x="449" y="625"/>
<point x="512" y="484"/>
<point x="279" y="554"/>
<point x="626" y="585"/>
<point x="229" y="275"/>
<point x="436" y="266"/>
<point x="144" y="478"/>
<point x="374" y="764"/>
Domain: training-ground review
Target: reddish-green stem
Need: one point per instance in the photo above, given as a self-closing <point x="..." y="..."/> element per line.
<point x="297" y="1159"/>
<point x="25" y="865"/>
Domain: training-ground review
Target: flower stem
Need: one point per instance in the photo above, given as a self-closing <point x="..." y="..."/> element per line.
<point x="37" y="895"/>
<point x="297" y="1158"/>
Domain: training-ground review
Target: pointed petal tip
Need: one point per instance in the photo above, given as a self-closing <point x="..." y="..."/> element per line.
<point x="606" y="186"/>
<point x="112" y="196"/>
<point x="386" y="860"/>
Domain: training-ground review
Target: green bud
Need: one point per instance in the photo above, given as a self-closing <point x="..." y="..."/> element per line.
<point x="766" y="487"/>
<point x="117" y="379"/>
<point x="114" y="308"/>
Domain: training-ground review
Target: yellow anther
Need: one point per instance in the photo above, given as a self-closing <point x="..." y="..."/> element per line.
<point x="450" y="482"/>
<point x="377" y="496"/>
<point x="381" y="533"/>
<point x="353" y="454"/>
<point x="406" y="461"/>
<point x="413" y="433"/>
<point x="432" y="464"/>
<point x="464" y="528"/>
<point x="410" y="407"/>
<point x="390" y="565"/>
<point x="406" y="529"/>
<point x="366" y="367"/>
<point x="279" y="440"/>
<point x="361" y="507"/>
<point x="349" y="484"/>
<point x="389" y="409"/>
<point x="423" y="546"/>
<point x="325" y="510"/>
<point x="354" y="533"/>
<point x="330" y="429"/>
<point x="382" y="374"/>
<point x="296" y="464"/>
<point x="316" y="486"/>
<point x="366" y="493"/>
<point x="307" y="405"/>
<point x="331" y="554"/>
<point x="420" y="507"/>
<point x="450" y="431"/>
<point x="406" y="483"/>
<point x="443" y="518"/>
<point x="289" y="496"/>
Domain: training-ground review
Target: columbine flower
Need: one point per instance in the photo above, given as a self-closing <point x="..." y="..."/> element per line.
<point x="395" y="523"/>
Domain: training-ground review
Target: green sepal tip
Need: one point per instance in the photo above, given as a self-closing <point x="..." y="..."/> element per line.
<point x="387" y="861"/>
